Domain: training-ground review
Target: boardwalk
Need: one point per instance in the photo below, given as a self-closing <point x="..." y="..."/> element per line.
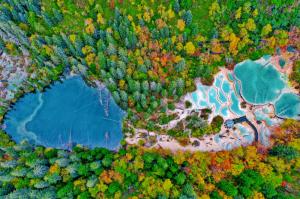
<point x="244" y="119"/>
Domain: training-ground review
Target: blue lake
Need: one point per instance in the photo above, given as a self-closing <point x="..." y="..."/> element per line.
<point x="67" y="113"/>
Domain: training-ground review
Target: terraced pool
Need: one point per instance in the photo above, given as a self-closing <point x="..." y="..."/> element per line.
<point x="262" y="84"/>
<point x="256" y="82"/>
<point x="221" y="97"/>
<point x="66" y="113"/>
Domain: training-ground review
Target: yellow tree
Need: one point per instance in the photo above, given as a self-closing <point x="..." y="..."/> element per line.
<point x="250" y="25"/>
<point x="214" y="8"/>
<point x="238" y="13"/>
<point x="257" y="195"/>
<point x="251" y="157"/>
<point x="190" y="48"/>
<point x="180" y="24"/>
<point x="100" y="19"/>
<point x="266" y="30"/>
<point x="90" y="28"/>
<point x="281" y="37"/>
<point x="234" y="40"/>
<point x="167" y="185"/>
<point x="80" y="183"/>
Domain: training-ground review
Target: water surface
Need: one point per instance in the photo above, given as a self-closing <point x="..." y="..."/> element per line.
<point x="67" y="112"/>
<point x="288" y="106"/>
<point x="260" y="83"/>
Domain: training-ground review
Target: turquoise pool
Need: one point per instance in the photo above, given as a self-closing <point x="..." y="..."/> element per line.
<point x="221" y="97"/>
<point x="67" y="112"/>
<point x="260" y="83"/>
<point x="235" y="107"/>
<point x="213" y="99"/>
<point x="288" y="106"/>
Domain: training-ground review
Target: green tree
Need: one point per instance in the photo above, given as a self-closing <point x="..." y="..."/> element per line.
<point x="268" y="190"/>
<point x="180" y="178"/>
<point x="283" y="151"/>
<point x="228" y="187"/>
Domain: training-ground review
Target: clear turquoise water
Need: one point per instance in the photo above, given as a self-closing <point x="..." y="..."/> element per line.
<point x="257" y="83"/>
<point x="230" y="77"/>
<point x="263" y="117"/>
<point x="213" y="99"/>
<point x="67" y="112"/>
<point x="288" y="106"/>
<point x="226" y="87"/>
<point x="244" y="132"/>
<point x="260" y="84"/>
<point x="218" y="82"/>
<point x="219" y="96"/>
<point x="195" y="97"/>
<point x="237" y="87"/>
<point x="222" y="97"/>
<point x="235" y="105"/>
<point x="224" y="111"/>
<point x="203" y="104"/>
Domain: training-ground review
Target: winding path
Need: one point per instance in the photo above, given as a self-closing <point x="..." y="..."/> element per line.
<point x="244" y="119"/>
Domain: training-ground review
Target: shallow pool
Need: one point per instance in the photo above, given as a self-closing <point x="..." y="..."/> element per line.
<point x="67" y="113"/>
<point x="261" y="83"/>
<point x="220" y="97"/>
<point x="288" y="106"/>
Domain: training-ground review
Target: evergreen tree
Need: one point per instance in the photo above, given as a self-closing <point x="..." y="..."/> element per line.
<point x="283" y="151"/>
<point x="145" y="86"/>
<point x="187" y="17"/>
<point x="153" y="86"/>
<point x="62" y="162"/>
<point x="119" y="73"/>
<point x="116" y="97"/>
<point x="111" y="50"/>
<point x="124" y="96"/>
<point x="57" y="15"/>
<point x="69" y="45"/>
<point x="88" y="40"/>
<point x="47" y="19"/>
<point x="179" y="67"/>
<point x="41" y="185"/>
<point x="136" y="96"/>
<point x="123" y="54"/>
<point x="176" y="6"/>
<point x="58" y="41"/>
<point x="40" y="171"/>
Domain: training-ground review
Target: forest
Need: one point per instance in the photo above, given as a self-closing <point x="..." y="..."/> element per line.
<point x="148" y="54"/>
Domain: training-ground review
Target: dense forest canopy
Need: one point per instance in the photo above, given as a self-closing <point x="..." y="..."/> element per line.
<point x="148" y="54"/>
